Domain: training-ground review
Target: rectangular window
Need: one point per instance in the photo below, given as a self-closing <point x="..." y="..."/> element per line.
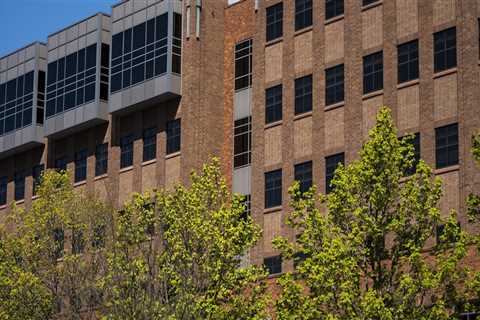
<point x="446" y="146"/>
<point x="333" y="8"/>
<point x="149" y="144"/>
<point x="408" y="61"/>
<point x="37" y="172"/>
<point x="273" y="188"/>
<point x="242" y="142"/>
<point x="367" y="2"/>
<point x="61" y="164"/>
<point x="373" y="72"/>
<point x="59" y="241"/>
<point x="303" y="94"/>
<point x="303" y="174"/>
<point x="126" y="151"/>
<point x="78" y="241"/>
<point x="173" y="136"/>
<point x="243" y="64"/>
<point x="416" y="155"/>
<point x="275" y="21"/>
<point x="334" y="85"/>
<point x="19" y="185"/>
<point x="101" y="159"/>
<point x="273" y="264"/>
<point x="445" y="49"/>
<point x="303" y="14"/>
<point x="273" y="104"/>
<point x="331" y="164"/>
<point x="247" y="202"/>
<point x="81" y="165"/>
<point x="3" y="190"/>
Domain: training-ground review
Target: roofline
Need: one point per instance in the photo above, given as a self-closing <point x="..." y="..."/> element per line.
<point x="24" y="47"/>
<point x="78" y="22"/>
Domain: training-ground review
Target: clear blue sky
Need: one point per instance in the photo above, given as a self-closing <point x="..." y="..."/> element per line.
<point x="26" y="21"/>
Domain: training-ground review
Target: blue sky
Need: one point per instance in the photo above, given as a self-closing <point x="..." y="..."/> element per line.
<point x="26" y="21"/>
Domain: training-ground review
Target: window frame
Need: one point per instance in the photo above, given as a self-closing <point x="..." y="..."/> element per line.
<point x="19" y="185"/>
<point x="174" y="136"/>
<point x="242" y="142"/>
<point x="451" y="148"/>
<point x="303" y="14"/>
<point x="273" y="188"/>
<point x="334" y="81"/>
<point x="81" y="163"/>
<point x="303" y="173"/>
<point x="274" y="21"/>
<point x="275" y="267"/>
<point x="373" y="61"/>
<point x="331" y="167"/>
<point x="409" y="66"/>
<point x="303" y="94"/>
<point x="334" y="8"/>
<point x="273" y="104"/>
<point x="101" y="159"/>
<point x="126" y="151"/>
<point x="444" y="58"/>
<point x="243" y="60"/>
<point x="149" y="144"/>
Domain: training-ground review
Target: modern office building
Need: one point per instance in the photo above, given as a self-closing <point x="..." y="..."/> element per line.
<point x="280" y="90"/>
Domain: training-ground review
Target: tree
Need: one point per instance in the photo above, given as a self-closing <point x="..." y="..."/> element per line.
<point x="367" y="249"/>
<point x="51" y="256"/>
<point x="177" y="255"/>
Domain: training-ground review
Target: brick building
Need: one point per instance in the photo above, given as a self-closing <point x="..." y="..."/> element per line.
<point x="134" y="100"/>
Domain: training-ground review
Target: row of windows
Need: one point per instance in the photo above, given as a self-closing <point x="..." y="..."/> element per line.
<point x="173" y="132"/>
<point x="101" y="159"/>
<point x="446" y="154"/>
<point x="140" y="53"/>
<point x="303" y="15"/>
<point x="16" y="102"/>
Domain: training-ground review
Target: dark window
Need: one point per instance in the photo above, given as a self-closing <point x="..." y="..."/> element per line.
<point x="149" y="144"/>
<point x="61" y="164"/>
<point x="333" y="8"/>
<point x="81" y="165"/>
<point x="367" y="2"/>
<point x="470" y="316"/>
<point x="303" y="94"/>
<point x="334" y="85"/>
<point x="247" y="202"/>
<point x="242" y="142"/>
<point x="173" y="136"/>
<point x="139" y="36"/>
<point x="91" y="60"/>
<point x="98" y="240"/>
<point x="446" y="145"/>
<point x="52" y="73"/>
<point x="19" y="185"/>
<point x="117" y="45"/>
<point x="408" y="61"/>
<point x="416" y="155"/>
<point x="177" y="43"/>
<point x="275" y="21"/>
<point x="273" y="264"/>
<point x="37" y="172"/>
<point x="331" y="164"/>
<point x="78" y="242"/>
<point x="303" y="174"/>
<point x="243" y="64"/>
<point x="303" y="14"/>
<point x="71" y="65"/>
<point x="59" y="242"/>
<point x="373" y="72"/>
<point x="126" y="151"/>
<point x="273" y="104"/>
<point x="273" y="188"/>
<point x="3" y="190"/>
<point x="101" y="159"/>
<point x="445" y="49"/>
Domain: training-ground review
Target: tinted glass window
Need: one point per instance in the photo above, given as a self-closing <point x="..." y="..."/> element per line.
<point x="273" y="188"/>
<point x="117" y="45"/>
<point x="19" y="185"/>
<point x="273" y="104"/>
<point x="275" y="21"/>
<point x="303" y="94"/>
<point x="81" y="165"/>
<point x="243" y="64"/>
<point x="126" y="151"/>
<point x="373" y="72"/>
<point x="37" y="172"/>
<point x="149" y="144"/>
<point x="408" y="61"/>
<point x="273" y="264"/>
<point x="446" y="146"/>
<point x="303" y="14"/>
<point x="101" y="159"/>
<point x="416" y="154"/>
<point x="331" y="164"/>
<point x="445" y="49"/>
<point x="333" y="8"/>
<point x="303" y="174"/>
<point x="139" y="36"/>
<point x="3" y="190"/>
<point x="242" y="142"/>
<point x="173" y="136"/>
<point x="334" y="85"/>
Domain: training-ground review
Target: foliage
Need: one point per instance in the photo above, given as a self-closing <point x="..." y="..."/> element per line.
<point x="369" y="246"/>
<point x="51" y="255"/>
<point x="177" y="255"/>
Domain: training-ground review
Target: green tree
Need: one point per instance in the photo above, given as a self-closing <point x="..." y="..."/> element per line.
<point x="177" y="255"/>
<point x="367" y="250"/>
<point x="52" y="256"/>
